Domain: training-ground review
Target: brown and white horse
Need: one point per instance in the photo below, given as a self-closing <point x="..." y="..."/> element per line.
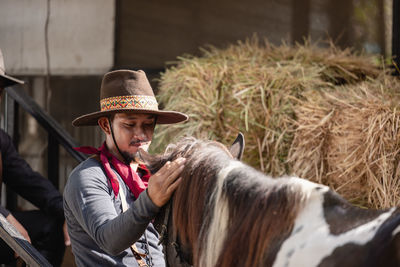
<point x="225" y="213"/>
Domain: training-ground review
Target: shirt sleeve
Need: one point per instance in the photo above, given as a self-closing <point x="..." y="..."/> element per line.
<point x="90" y="201"/>
<point x="32" y="186"/>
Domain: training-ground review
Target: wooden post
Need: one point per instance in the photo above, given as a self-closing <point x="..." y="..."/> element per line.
<point x="381" y="26"/>
<point x="300" y="20"/>
<point x="340" y="26"/>
<point x="396" y="35"/>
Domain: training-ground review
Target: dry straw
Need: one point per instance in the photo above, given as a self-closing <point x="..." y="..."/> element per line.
<point x="327" y="115"/>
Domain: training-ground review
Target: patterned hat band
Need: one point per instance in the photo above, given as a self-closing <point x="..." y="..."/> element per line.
<point x="142" y="102"/>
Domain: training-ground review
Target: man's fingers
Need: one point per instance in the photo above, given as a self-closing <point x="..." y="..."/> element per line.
<point x="67" y="240"/>
<point x="174" y="174"/>
<point x="170" y="168"/>
<point x="167" y="168"/>
<point x="174" y="185"/>
<point x="177" y="164"/>
<point x="163" y="183"/>
<point x="167" y="165"/>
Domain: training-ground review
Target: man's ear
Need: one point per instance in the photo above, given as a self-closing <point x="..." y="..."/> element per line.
<point x="237" y="147"/>
<point x="104" y="125"/>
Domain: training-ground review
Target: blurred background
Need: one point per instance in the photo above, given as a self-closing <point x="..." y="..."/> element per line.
<point x="62" y="48"/>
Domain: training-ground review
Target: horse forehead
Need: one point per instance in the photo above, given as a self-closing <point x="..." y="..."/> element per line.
<point x="207" y="147"/>
<point x="224" y="148"/>
<point x="193" y="146"/>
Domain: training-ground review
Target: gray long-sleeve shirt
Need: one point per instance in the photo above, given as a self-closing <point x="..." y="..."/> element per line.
<point x="100" y="233"/>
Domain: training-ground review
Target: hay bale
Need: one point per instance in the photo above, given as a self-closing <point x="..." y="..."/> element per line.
<point x="294" y="107"/>
<point x="348" y="138"/>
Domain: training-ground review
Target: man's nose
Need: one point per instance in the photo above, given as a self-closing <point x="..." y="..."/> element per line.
<point x="139" y="133"/>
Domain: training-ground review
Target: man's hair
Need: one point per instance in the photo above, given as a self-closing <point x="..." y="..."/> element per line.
<point x="111" y="117"/>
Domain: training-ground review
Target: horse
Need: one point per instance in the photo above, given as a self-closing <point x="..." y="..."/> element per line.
<point x="226" y="213"/>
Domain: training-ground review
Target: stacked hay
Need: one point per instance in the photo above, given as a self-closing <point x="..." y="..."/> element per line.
<point x="348" y="138"/>
<point x="327" y="115"/>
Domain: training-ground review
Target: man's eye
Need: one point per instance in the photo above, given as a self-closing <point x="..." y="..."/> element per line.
<point x="129" y="125"/>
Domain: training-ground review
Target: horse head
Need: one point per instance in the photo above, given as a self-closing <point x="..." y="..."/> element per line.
<point x="178" y="250"/>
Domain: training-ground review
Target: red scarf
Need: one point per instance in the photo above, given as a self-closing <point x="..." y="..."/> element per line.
<point x="135" y="183"/>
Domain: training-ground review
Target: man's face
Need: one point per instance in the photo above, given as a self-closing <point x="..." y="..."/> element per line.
<point x="133" y="131"/>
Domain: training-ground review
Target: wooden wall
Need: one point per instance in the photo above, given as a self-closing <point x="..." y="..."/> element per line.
<point x="150" y="33"/>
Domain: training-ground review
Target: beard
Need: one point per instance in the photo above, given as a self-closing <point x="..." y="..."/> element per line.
<point x="130" y="157"/>
<point x="134" y="157"/>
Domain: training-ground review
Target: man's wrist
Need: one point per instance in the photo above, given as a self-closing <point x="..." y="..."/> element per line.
<point x="151" y="200"/>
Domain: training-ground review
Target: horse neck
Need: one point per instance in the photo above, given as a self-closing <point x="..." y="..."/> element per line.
<point x="191" y="199"/>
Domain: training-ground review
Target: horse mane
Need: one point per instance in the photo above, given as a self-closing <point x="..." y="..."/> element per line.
<point x="261" y="210"/>
<point x="190" y="198"/>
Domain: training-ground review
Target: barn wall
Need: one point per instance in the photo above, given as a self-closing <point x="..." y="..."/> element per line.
<point x="150" y="33"/>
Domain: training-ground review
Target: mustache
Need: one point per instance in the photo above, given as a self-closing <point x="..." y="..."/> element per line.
<point x="136" y="142"/>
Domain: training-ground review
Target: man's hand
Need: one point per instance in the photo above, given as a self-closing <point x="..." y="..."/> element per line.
<point x="67" y="240"/>
<point x="164" y="182"/>
<point x="11" y="219"/>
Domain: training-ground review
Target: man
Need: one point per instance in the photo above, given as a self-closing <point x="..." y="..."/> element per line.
<point x="102" y="234"/>
<point x="44" y="227"/>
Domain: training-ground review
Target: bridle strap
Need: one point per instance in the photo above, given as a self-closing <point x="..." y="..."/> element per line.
<point x="164" y="226"/>
<point x="164" y="238"/>
<point x="115" y="142"/>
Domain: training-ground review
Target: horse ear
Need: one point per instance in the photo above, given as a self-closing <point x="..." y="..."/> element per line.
<point x="237" y="147"/>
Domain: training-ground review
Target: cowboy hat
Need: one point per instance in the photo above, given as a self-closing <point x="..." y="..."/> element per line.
<point x="6" y="80"/>
<point x="128" y="91"/>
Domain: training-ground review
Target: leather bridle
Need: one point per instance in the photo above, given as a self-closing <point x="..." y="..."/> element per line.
<point x="174" y="244"/>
